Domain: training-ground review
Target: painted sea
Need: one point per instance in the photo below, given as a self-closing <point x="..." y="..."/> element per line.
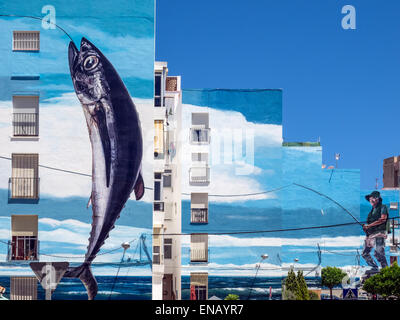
<point x="139" y="288"/>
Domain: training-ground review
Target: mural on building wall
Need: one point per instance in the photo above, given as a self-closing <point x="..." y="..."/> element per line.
<point x="65" y="150"/>
<point x="117" y="146"/>
<point x="316" y="198"/>
<point x="244" y="157"/>
<point x="284" y="186"/>
<point x="255" y="183"/>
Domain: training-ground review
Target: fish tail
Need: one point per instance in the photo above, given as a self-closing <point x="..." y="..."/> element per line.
<point x="84" y="273"/>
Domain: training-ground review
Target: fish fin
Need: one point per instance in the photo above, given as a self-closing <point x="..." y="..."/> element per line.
<point x="89" y="203"/>
<point x="84" y="273"/>
<point x="73" y="52"/>
<point x="139" y="187"/>
<point x="101" y="121"/>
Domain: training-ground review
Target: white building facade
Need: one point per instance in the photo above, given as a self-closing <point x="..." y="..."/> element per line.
<point x="166" y="268"/>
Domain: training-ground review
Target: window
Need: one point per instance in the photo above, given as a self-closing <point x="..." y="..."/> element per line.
<point x="25" y="116"/>
<point x="157" y="186"/>
<point x="199" y="208"/>
<point x="158" y="89"/>
<point x="167" y="179"/>
<point x="26" y="40"/>
<point x="200" y="135"/>
<point x="156" y="255"/>
<point x="158" y="206"/>
<point x="200" y="157"/>
<point x="24" y="181"/>
<point x="157" y="244"/>
<point x="23" y="288"/>
<point x="200" y="130"/>
<point x="199" y="175"/>
<point x="157" y="190"/>
<point x="168" y="248"/>
<point x="24" y="238"/>
<point x="24" y="248"/>
<point x="158" y="139"/>
<point x="201" y="292"/>
<point x="199" y="286"/>
<point x="199" y="247"/>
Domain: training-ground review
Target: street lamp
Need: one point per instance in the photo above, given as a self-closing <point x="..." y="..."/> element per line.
<point x="125" y="246"/>
<point x="337" y="157"/>
<point x="263" y="257"/>
<point x="294" y="265"/>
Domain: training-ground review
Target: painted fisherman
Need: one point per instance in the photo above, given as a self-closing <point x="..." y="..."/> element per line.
<point x="376" y="232"/>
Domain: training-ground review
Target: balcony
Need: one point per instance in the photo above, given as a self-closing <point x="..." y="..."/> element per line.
<point x="159" y="139"/>
<point x="199" y="216"/>
<point x="200" y="136"/>
<point x="23" y="188"/>
<point x="199" y="248"/>
<point x="25" y="125"/>
<point x="23" y="248"/>
<point x="199" y="175"/>
<point x="171" y="84"/>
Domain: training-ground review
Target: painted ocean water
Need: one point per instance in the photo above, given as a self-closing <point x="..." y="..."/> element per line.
<point x="139" y="288"/>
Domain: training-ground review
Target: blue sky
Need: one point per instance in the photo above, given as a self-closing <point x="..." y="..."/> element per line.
<point x="339" y="85"/>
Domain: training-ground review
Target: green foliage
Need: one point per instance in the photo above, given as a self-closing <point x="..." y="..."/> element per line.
<point x="386" y="283"/>
<point x="313" y="295"/>
<point x="331" y="276"/>
<point x="291" y="286"/>
<point x="302" y="293"/>
<point x="232" y="297"/>
<point x="295" y="288"/>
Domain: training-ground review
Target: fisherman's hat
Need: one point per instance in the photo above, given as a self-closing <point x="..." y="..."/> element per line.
<point x="374" y="194"/>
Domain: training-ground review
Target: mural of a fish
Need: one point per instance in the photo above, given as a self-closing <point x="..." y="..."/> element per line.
<point x="117" y="147"/>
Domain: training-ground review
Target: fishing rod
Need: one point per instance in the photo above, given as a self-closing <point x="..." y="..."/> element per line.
<point x="329" y="198"/>
<point x="36" y="18"/>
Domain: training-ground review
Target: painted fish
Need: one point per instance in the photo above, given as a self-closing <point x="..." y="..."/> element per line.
<point x="117" y="147"/>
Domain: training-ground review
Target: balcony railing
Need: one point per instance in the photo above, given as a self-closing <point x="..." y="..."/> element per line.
<point x="23" y="188"/>
<point x="199" y="215"/>
<point x="198" y="254"/>
<point x="200" y="135"/>
<point x="23" y="249"/>
<point x="199" y="175"/>
<point x="199" y="247"/>
<point x="25" y="124"/>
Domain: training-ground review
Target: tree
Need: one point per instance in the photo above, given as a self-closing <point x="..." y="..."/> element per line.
<point x="331" y="276"/>
<point x="232" y="297"/>
<point x="295" y="287"/>
<point x="302" y="293"/>
<point x="386" y="283"/>
<point x="291" y="286"/>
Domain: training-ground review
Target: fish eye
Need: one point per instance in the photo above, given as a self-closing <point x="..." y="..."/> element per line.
<point x="90" y="63"/>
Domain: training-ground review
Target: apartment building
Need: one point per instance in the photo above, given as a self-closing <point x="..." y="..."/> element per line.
<point x="391" y="172"/>
<point x="46" y="154"/>
<point x="199" y="182"/>
<point x="167" y="185"/>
